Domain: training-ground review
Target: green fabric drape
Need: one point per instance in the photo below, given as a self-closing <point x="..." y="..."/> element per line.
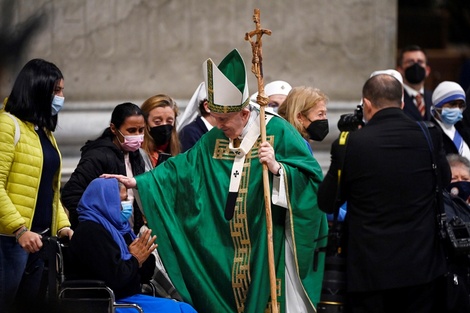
<point x="219" y="265"/>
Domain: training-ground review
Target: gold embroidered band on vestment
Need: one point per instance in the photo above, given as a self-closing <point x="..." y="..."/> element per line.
<point x="241" y="278"/>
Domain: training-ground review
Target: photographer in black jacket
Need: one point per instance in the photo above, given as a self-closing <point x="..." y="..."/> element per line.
<point x="395" y="261"/>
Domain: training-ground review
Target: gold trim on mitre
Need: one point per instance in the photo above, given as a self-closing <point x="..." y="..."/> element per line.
<point x="222" y="94"/>
<point x="227" y="108"/>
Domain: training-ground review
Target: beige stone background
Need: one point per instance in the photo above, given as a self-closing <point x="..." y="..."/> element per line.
<point x="131" y="49"/>
<point x="112" y="51"/>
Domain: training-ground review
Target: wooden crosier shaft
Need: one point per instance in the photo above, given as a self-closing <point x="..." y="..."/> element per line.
<point x="257" y="69"/>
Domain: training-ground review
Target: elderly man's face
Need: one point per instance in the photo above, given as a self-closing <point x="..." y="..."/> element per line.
<point x="231" y="123"/>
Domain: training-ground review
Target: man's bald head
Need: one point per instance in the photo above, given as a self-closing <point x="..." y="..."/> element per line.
<point x="383" y="91"/>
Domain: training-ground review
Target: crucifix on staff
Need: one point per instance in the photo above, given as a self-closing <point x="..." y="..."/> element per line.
<point x="257" y="58"/>
<point x="257" y="69"/>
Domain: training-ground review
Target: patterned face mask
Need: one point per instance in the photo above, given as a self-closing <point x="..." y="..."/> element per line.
<point x="460" y="189"/>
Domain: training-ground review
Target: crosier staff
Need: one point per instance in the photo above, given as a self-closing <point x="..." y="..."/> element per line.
<point x="257" y="69"/>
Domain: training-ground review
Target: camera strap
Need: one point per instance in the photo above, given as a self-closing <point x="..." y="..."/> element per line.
<point x="441" y="214"/>
<point x="337" y="231"/>
<point x="342" y="140"/>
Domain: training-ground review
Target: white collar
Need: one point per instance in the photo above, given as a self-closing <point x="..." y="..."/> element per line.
<point x="253" y="116"/>
<point x="206" y="122"/>
<point x="412" y="92"/>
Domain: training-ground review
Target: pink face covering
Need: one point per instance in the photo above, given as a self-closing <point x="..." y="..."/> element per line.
<point x="131" y="143"/>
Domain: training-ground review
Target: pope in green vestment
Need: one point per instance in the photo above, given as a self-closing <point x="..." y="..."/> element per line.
<point x="221" y="265"/>
<point x="207" y="208"/>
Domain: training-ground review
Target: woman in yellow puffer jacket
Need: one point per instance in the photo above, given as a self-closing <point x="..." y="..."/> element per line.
<point x="30" y="167"/>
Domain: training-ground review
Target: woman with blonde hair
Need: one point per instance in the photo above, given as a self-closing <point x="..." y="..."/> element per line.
<point x="161" y="139"/>
<point x="305" y="109"/>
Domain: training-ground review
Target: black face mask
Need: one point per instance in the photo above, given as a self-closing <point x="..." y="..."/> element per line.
<point x="460" y="189"/>
<point x="415" y="73"/>
<point x="161" y="134"/>
<point x="317" y="130"/>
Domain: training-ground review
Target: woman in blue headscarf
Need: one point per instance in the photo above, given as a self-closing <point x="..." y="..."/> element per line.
<point x="105" y="248"/>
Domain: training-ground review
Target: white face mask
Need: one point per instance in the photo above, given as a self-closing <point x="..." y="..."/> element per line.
<point x="57" y="104"/>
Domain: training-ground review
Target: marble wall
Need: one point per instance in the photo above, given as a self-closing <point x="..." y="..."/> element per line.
<point x="117" y="50"/>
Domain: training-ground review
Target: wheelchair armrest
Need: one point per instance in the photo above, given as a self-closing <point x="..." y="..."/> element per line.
<point x="83" y="283"/>
<point x="90" y="289"/>
<point x="149" y="288"/>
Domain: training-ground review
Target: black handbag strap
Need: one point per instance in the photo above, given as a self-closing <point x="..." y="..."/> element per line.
<point x="440" y="212"/>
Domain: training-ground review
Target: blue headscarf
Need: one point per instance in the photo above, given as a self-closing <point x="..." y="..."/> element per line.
<point x="101" y="203"/>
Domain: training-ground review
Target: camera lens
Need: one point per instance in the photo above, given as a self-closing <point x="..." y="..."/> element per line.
<point x="351" y="122"/>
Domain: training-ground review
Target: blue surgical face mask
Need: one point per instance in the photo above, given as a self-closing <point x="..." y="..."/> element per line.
<point x="126" y="210"/>
<point x="451" y="115"/>
<point x="57" y="104"/>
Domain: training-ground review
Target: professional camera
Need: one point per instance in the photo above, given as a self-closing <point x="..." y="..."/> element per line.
<point x="351" y="122"/>
<point x="333" y="292"/>
<point x="459" y="234"/>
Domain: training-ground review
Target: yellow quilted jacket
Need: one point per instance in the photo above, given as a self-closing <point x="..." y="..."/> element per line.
<point x="20" y="175"/>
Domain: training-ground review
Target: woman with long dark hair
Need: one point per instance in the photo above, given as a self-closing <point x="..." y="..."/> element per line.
<point x="30" y="169"/>
<point x="116" y="151"/>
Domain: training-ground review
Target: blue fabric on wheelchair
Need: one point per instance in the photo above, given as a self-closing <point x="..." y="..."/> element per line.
<point x="155" y="305"/>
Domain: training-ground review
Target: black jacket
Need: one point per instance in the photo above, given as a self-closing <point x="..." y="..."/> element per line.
<point x="411" y="110"/>
<point x="98" y="157"/>
<point x="449" y="146"/>
<point x="389" y="185"/>
<point x="191" y="133"/>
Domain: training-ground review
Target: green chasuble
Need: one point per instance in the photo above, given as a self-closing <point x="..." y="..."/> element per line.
<point x="221" y="265"/>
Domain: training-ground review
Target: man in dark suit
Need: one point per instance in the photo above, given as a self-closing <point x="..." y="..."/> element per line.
<point x="413" y="66"/>
<point x="191" y="133"/>
<point x="395" y="262"/>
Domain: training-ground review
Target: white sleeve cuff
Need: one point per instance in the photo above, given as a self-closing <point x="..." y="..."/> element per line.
<point x="279" y="197"/>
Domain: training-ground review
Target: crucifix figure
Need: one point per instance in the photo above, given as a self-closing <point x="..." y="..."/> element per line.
<point x="257" y="58"/>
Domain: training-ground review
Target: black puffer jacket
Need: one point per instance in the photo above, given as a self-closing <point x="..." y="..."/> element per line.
<point x="98" y="157"/>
